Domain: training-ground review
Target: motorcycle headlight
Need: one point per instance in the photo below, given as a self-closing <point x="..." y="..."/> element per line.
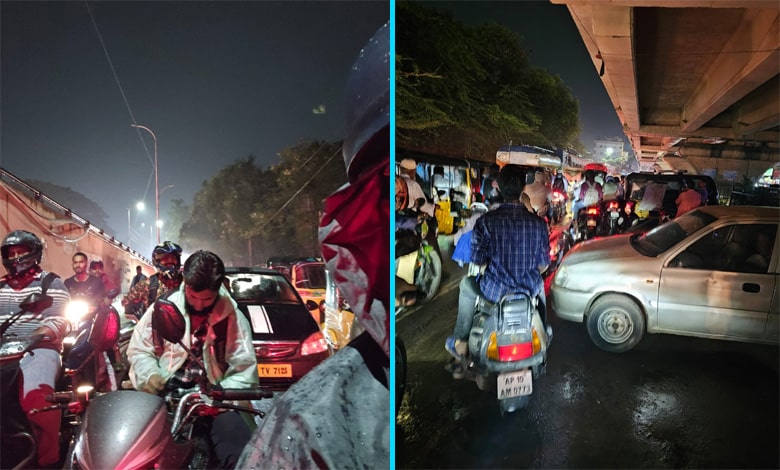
<point x="76" y="310"/>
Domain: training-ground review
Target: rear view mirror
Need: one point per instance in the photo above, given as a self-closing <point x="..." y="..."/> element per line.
<point x="112" y="293"/>
<point x="105" y="330"/>
<point x="168" y="321"/>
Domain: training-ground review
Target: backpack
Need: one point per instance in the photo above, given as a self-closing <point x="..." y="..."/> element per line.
<point x="401" y="194"/>
<point x="591" y="196"/>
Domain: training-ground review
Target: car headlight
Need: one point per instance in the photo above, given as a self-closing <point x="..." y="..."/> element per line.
<point x="561" y="276"/>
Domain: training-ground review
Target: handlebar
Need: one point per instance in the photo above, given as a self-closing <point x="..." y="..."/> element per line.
<point x="237" y="394"/>
<point x="213" y="398"/>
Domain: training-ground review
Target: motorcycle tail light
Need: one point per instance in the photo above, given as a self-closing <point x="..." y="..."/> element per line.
<point x="613" y="205"/>
<point x="515" y="352"/>
<point x="314" y="344"/>
<point x="593" y="211"/>
<point x="629" y="207"/>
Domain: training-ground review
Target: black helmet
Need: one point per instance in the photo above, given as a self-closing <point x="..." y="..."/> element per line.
<point x="368" y="98"/>
<point x="23" y="263"/>
<point x="167" y="248"/>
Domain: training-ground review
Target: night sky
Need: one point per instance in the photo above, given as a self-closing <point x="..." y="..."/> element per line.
<point x="215" y="81"/>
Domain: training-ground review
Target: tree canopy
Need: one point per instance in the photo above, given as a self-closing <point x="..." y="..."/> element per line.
<point x="247" y="213"/>
<point x="466" y="91"/>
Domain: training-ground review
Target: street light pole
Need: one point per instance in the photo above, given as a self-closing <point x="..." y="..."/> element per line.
<point x="156" y="192"/>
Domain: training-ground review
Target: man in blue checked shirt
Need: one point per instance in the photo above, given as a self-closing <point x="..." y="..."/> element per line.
<point x="513" y="246"/>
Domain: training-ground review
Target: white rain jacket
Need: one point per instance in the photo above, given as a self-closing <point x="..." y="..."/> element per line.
<point x="241" y="369"/>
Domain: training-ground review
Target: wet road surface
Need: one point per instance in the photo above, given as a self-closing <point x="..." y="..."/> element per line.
<point x="673" y="401"/>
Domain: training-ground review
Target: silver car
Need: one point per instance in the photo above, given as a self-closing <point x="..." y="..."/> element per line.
<point x="711" y="273"/>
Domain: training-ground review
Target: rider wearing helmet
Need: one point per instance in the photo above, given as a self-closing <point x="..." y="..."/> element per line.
<point x="22" y="252"/>
<point x="314" y="411"/>
<point x="166" y="258"/>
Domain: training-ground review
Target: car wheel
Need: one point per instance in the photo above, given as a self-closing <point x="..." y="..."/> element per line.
<point x="615" y="323"/>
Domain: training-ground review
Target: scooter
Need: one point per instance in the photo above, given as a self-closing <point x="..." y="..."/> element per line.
<point x="151" y="435"/>
<point x="417" y="262"/>
<point x="507" y="347"/>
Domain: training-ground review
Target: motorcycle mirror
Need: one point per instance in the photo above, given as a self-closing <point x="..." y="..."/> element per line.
<point x="168" y="321"/>
<point x="112" y="293"/>
<point x="105" y="330"/>
<point x="36" y="303"/>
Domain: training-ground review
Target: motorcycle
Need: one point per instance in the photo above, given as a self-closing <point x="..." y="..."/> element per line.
<point x="151" y="435"/>
<point x="18" y="444"/>
<point x="417" y="262"/>
<point x="507" y="347"/>
<point x="79" y="356"/>
<point x="586" y="225"/>
<point x="558" y="207"/>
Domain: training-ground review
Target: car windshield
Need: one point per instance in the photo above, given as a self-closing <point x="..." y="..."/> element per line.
<point x="310" y="276"/>
<point x="261" y="288"/>
<point x="665" y="236"/>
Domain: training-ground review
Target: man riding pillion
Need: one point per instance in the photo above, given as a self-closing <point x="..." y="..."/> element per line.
<point x="167" y="260"/>
<point x="22" y="252"/>
<point x="338" y="415"/>
<point x="512" y="245"/>
<point x="218" y="334"/>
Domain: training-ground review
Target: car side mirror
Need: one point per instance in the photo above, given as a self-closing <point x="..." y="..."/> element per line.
<point x="168" y="321"/>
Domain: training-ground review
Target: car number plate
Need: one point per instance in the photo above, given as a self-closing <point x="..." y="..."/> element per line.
<point x="515" y="384"/>
<point x="274" y="370"/>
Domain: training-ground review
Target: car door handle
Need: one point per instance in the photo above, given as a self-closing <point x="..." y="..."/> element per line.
<point x="751" y="287"/>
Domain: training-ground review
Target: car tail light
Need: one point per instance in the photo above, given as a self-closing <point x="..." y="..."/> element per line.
<point x="593" y="211"/>
<point x="314" y="344"/>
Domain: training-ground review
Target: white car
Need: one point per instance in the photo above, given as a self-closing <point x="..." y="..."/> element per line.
<point x="711" y="273"/>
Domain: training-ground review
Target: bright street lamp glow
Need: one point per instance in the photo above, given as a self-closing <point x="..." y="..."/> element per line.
<point x="140" y="205"/>
<point x="159" y="223"/>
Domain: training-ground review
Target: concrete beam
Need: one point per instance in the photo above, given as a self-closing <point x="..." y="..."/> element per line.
<point x="607" y="35"/>
<point x="664" y="131"/>
<point x="749" y="59"/>
<point x="674" y="3"/>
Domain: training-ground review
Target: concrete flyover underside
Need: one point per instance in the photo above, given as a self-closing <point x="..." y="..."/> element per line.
<point x="690" y="78"/>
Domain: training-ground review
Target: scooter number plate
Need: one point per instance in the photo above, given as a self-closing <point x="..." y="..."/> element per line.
<point x="591" y="223"/>
<point x="614" y="214"/>
<point x="515" y="384"/>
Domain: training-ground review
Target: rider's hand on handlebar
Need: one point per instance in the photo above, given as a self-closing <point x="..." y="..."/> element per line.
<point x="45" y="331"/>
<point x="155" y="384"/>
